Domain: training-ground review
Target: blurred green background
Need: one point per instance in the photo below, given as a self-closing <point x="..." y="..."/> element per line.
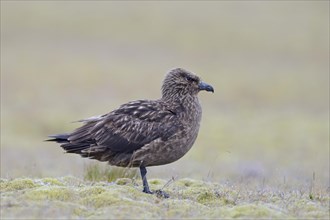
<point x="267" y="60"/>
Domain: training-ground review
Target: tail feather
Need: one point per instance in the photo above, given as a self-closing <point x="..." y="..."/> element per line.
<point x="75" y="148"/>
<point x="59" y="138"/>
<point x="68" y="146"/>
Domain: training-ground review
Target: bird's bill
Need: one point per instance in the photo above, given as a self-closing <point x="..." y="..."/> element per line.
<point x="205" y="86"/>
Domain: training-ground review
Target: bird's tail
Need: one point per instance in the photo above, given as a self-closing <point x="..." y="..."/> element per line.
<point x="59" y="138"/>
<point x="77" y="147"/>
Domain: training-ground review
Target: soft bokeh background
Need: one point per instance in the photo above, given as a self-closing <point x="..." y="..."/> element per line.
<point x="268" y="62"/>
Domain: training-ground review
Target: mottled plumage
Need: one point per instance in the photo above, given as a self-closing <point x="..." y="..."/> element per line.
<point x="145" y="132"/>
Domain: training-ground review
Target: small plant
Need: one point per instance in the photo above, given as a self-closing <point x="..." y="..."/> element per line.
<point x="96" y="172"/>
<point x="311" y="188"/>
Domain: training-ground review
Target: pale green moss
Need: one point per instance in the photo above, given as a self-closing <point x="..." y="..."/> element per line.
<point x="130" y="192"/>
<point x="51" y="193"/>
<point x="177" y="208"/>
<point x="156" y="181"/>
<point x="17" y="184"/>
<point x="307" y="208"/>
<point x="91" y="191"/>
<point x="255" y="211"/>
<point x="137" y="210"/>
<point x="81" y="212"/>
<point x="78" y="199"/>
<point x="187" y="182"/>
<point x="123" y="181"/>
<point x="72" y="181"/>
<point x="194" y="192"/>
<point x="107" y="198"/>
<point x="211" y="198"/>
<point x="101" y="183"/>
<point x="52" y="181"/>
<point x="205" y="197"/>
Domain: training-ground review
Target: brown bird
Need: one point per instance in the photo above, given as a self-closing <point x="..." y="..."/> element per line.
<point x="145" y="132"/>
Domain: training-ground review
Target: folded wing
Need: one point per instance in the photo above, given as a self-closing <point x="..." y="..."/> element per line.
<point x="124" y="130"/>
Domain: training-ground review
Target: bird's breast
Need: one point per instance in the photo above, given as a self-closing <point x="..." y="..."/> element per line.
<point x="188" y="114"/>
<point x="190" y="119"/>
<point x="192" y="113"/>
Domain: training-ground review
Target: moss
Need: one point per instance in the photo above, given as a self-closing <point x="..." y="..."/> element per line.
<point x="188" y="199"/>
<point x="81" y="212"/>
<point x="130" y="192"/>
<point x="193" y="192"/>
<point x="51" y="193"/>
<point x="103" y="199"/>
<point x="308" y="208"/>
<point x="177" y="208"/>
<point x="205" y="197"/>
<point x="186" y="182"/>
<point x="91" y="191"/>
<point x="52" y="181"/>
<point x="123" y="181"/>
<point x="206" y="193"/>
<point x="156" y="182"/>
<point x="72" y="181"/>
<point x="135" y="210"/>
<point x="252" y="210"/>
<point x="17" y="184"/>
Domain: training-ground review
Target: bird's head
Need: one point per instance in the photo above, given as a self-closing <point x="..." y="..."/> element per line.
<point x="182" y="82"/>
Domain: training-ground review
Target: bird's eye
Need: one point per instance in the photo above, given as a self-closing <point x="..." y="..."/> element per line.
<point x="190" y="79"/>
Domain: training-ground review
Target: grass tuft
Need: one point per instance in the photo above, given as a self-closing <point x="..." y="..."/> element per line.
<point x="96" y="172"/>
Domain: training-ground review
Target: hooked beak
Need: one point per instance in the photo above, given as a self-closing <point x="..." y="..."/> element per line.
<point x="205" y="86"/>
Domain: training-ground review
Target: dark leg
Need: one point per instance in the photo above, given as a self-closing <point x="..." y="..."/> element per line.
<point x="146" y="189"/>
<point x="143" y="172"/>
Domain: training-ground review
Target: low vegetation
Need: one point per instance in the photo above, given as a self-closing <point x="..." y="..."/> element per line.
<point x="96" y="197"/>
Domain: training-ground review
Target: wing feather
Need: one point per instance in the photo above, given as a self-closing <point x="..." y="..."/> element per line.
<point x="128" y="128"/>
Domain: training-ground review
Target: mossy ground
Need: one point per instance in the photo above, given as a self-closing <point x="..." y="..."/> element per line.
<point x="73" y="198"/>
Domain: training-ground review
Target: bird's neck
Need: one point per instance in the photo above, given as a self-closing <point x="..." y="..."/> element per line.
<point x="185" y="104"/>
<point x="178" y="97"/>
<point x="174" y="94"/>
